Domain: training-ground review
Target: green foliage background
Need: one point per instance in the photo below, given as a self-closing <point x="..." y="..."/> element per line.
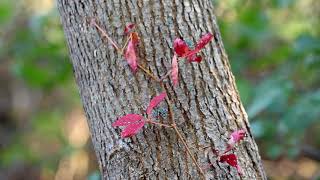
<point x="273" y="46"/>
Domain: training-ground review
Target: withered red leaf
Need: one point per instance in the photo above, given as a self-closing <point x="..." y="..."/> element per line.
<point x="134" y="38"/>
<point x="130" y="55"/>
<point x="175" y="70"/>
<point x="155" y="101"/>
<point x="127" y="119"/>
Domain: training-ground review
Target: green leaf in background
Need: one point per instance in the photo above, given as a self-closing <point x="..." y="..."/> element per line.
<point x="257" y="128"/>
<point x="302" y="113"/>
<point x="264" y="129"/>
<point x="266" y="93"/>
<point x="5" y="11"/>
<point x="306" y="44"/>
<point x="245" y="90"/>
<point x="283" y="3"/>
<point x="274" y="151"/>
<point x="17" y="152"/>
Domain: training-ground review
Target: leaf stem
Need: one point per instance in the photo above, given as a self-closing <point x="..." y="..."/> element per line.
<point x="125" y="45"/>
<point x="160" y="81"/>
<point x="148" y="73"/>
<point x="173" y="125"/>
<point x="188" y="149"/>
<point x="157" y="123"/>
<point x="166" y="75"/>
<point x="171" y="113"/>
<point x="103" y="32"/>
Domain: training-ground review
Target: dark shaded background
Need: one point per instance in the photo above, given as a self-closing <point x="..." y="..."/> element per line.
<point x="274" y="49"/>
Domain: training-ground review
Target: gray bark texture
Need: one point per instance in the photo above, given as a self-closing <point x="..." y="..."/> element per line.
<point x="206" y="103"/>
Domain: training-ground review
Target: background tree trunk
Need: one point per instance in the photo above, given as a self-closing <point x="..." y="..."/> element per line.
<point x="206" y="104"/>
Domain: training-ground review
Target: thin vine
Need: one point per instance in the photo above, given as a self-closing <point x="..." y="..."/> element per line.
<point x="135" y="122"/>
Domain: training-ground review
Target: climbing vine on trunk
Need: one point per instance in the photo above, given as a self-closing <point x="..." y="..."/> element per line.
<point x="179" y="107"/>
<point x="133" y="123"/>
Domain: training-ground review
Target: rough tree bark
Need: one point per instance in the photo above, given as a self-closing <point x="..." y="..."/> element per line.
<point x="206" y="103"/>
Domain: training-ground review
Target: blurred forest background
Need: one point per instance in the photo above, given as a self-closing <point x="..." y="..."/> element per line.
<point x="274" y="49"/>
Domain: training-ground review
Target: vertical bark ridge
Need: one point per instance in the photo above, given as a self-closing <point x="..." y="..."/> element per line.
<point x="151" y="24"/>
<point x="182" y="25"/>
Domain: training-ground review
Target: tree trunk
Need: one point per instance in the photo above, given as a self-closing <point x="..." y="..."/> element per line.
<point x="206" y="103"/>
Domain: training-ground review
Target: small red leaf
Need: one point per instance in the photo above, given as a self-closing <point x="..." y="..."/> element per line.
<point x="128" y="28"/>
<point x="155" y="101"/>
<point x="127" y="119"/>
<point x="175" y="70"/>
<point x="191" y="55"/>
<point x="232" y="160"/>
<point x="205" y="39"/>
<point x="236" y="136"/>
<point x="131" y="56"/>
<point x="180" y="47"/>
<point x="132" y="129"/>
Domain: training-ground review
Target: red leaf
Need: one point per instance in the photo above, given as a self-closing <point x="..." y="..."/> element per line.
<point x="191" y="55"/>
<point x="175" y="70"/>
<point x="127" y="119"/>
<point x="155" y="101"/>
<point x="132" y="129"/>
<point x="232" y="160"/>
<point x="236" y="136"/>
<point x="128" y="28"/>
<point x="180" y="47"/>
<point x="205" y="39"/>
<point x="194" y="58"/>
<point x="131" y="56"/>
